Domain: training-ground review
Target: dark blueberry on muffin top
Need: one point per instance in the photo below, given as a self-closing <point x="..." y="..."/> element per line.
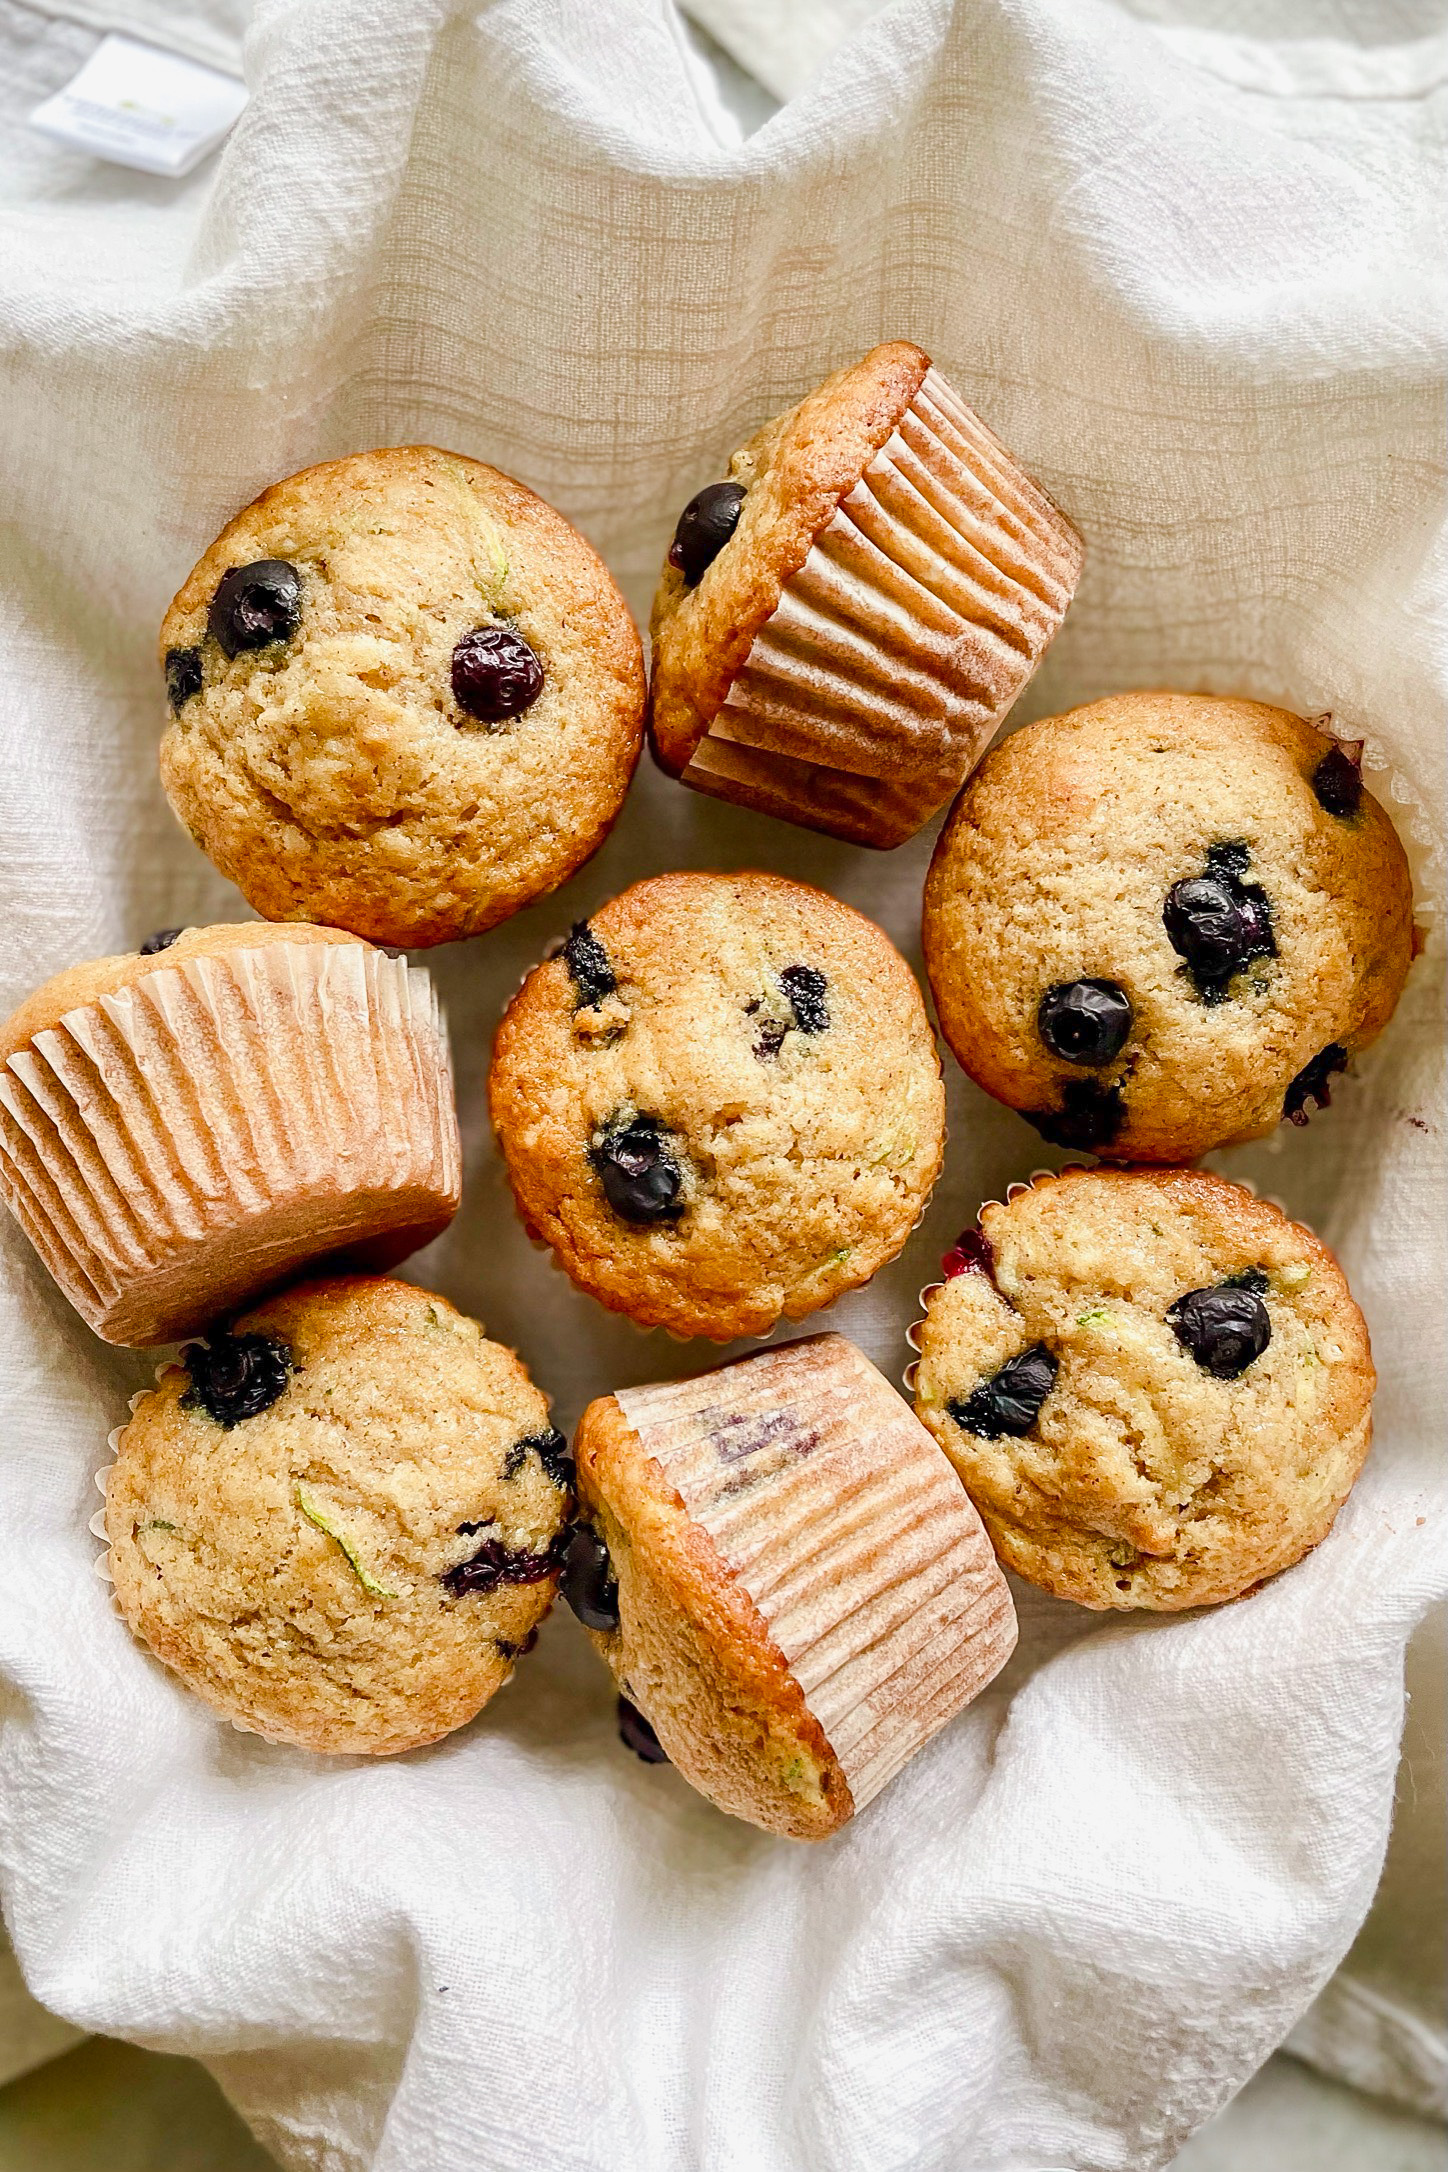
<point x="637" y="1169"/>
<point x="495" y="675"/>
<point x="1225" y="1328"/>
<point x="255" y="605"/>
<point x="1218" y="923"/>
<point x="1338" y="783"/>
<point x="1085" y="1021"/>
<point x="589" y="1585"/>
<point x="183" y="675"/>
<point x="1010" y="1401"/>
<point x="236" y="1376"/>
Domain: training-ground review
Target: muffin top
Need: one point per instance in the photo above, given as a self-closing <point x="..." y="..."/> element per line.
<point x="79" y="985"/>
<point x="1155" y="1386"/>
<point x="734" y="551"/>
<point x="721" y="1103"/>
<point x="339" y="1519"/>
<point x="1162" y="922"/>
<point x="406" y="697"/>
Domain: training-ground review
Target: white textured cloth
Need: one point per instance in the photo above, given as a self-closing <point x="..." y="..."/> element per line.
<point x="1189" y="275"/>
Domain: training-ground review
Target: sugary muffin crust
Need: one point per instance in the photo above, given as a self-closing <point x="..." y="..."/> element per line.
<point x="1156" y="1388"/>
<point x="340" y="1520"/>
<point x="418" y="711"/>
<point x="721" y="1103"/>
<point x="1160" y="923"/>
<point x="795" y="471"/>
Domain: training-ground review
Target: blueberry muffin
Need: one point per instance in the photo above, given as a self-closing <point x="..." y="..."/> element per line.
<point x="185" y="1124"/>
<point x="1163" y="922"/>
<point x="1156" y="1387"/>
<point x="406" y="698"/>
<point x="341" y="1518"/>
<point x="721" y="1103"/>
<point x="790" y="1588"/>
<point x="844" y="621"/>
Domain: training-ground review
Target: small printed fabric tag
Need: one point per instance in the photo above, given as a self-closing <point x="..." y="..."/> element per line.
<point x="137" y="106"/>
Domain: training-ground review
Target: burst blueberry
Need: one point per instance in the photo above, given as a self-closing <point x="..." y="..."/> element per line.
<point x="704" y="527"/>
<point x="183" y="676"/>
<point x="1226" y="1328"/>
<point x="234" y="1377"/>
<point x="1217" y="923"/>
<point x="1313" y="1083"/>
<point x="495" y="675"/>
<point x="805" y="989"/>
<point x="1085" y="1021"/>
<point x="161" y="940"/>
<point x="588" y="966"/>
<point x="1089" y="1117"/>
<point x="255" y="605"/>
<point x="553" y="1453"/>
<point x="642" y="1180"/>
<point x="635" y="1733"/>
<point x="1338" y="782"/>
<point x="495" y="1563"/>
<point x="589" y="1584"/>
<point x="1010" y="1401"/>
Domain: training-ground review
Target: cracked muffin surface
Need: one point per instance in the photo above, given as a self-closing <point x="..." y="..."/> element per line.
<point x="1156" y="1388"/>
<point x="1162" y="923"/>
<point x="406" y="697"/>
<point x="720" y="1104"/>
<point x="340" y="1519"/>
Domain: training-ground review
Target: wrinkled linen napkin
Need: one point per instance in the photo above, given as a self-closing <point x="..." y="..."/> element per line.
<point x="1189" y="276"/>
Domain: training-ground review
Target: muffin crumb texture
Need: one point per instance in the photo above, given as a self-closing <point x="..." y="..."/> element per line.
<point x="341" y="1519"/>
<point x="1165" y="922"/>
<point x="1156" y="1388"/>
<point x="721" y="1103"/>
<point x="406" y="697"/>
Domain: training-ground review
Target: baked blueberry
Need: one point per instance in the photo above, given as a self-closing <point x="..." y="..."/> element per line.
<point x="805" y="989"/>
<point x="587" y="962"/>
<point x="635" y="1733"/>
<point x="769" y="1040"/>
<point x="161" y="940"/>
<point x="255" y="605"/>
<point x="494" y="1564"/>
<point x="971" y="1254"/>
<point x="1338" y="781"/>
<point x="236" y="1376"/>
<point x="1085" y="1021"/>
<point x="1225" y="1328"/>
<point x="589" y="1584"/>
<point x="495" y="675"/>
<point x="552" y="1452"/>
<point x="1090" y="1115"/>
<point x="1217" y="922"/>
<point x="183" y="675"/>
<point x="1312" y="1083"/>
<point x="704" y="527"/>
<point x="1010" y="1401"/>
<point x="637" y="1169"/>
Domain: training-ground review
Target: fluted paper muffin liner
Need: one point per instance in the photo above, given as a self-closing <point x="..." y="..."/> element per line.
<point x="184" y="1142"/>
<point x="851" y="1534"/>
<point x="896" y="650"/>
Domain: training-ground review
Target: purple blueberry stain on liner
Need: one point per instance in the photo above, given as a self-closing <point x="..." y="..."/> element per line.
<point x="704" y="527"/>
<point x="635" y="1733"/>
<point x="255" y="605"/>
<point x="234" y="1377"/>
<point x="495" y="674"/>
<point x="1314" y="1083"/>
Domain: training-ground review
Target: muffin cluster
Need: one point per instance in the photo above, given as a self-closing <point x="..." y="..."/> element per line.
<point x="404" y="699"/>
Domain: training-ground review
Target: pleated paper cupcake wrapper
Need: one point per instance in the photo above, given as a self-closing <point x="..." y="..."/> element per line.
<point x="896" y="650"/>
<point x="916" y="1328"/>
<point x="851" y="1534"/>
<point x="274" y="1103"/>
